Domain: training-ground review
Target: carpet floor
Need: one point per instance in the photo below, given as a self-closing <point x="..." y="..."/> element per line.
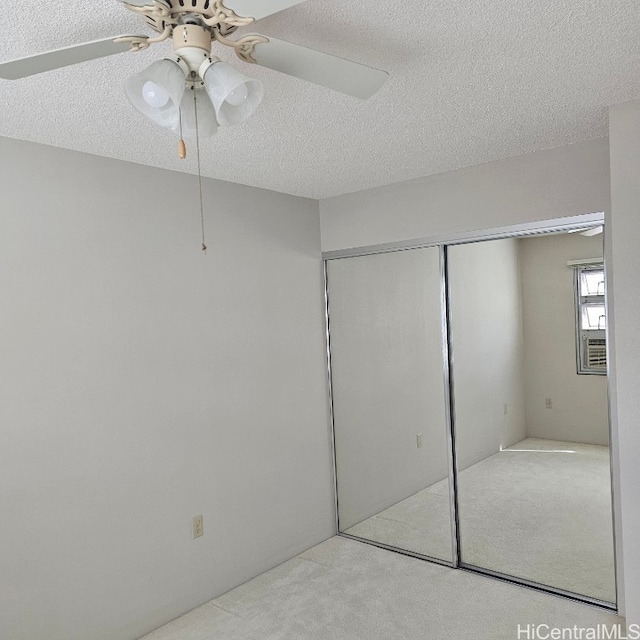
<point x="540" y="510"/>
<point x="347" y="590"/>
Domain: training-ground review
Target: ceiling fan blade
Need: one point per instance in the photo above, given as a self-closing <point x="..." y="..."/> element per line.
<point x="259" y="8"/>
<point x="329" y="71"/>
<point x="64" y="57"/>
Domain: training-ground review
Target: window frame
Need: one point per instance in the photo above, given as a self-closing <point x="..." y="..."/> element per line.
<point x="582" y="335"/>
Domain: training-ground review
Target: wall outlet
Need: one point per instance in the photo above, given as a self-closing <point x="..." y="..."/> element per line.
<point x="506" y="408"/>
<point x="419" y="440"/>
<point x="197" y="526"/>
<point x="548" y="403"/>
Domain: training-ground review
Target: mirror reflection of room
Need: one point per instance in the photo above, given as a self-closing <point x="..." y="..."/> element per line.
<point x="531" y="413"/>
<point x="389" y="400"/>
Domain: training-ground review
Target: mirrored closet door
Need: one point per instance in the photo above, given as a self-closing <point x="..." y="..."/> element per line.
<point x="389" y="406"/>
<point x="531" y="414"/>
<point x="479" y="366"/>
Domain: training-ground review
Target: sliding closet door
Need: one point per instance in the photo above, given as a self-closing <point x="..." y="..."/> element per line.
<point x="389" y="400"/>
<point x="531" y="429"/>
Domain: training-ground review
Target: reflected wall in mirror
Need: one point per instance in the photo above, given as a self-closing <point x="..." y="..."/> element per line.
<point x="388" y="394"/>
<point x="531" y="432"/>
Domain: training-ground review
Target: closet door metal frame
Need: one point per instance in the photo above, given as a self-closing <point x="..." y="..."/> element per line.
<point x="450" y="449"/>
<point x="443" y="242"/>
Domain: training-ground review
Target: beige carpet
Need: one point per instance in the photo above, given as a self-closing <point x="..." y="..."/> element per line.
<point x="540" y="510"/>
<point x="346" y="590"/>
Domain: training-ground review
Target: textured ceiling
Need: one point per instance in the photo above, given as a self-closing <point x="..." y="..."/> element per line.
<point x="470" y="81"/>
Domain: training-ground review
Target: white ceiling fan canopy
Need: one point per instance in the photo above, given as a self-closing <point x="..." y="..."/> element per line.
<point x="256" y="9"/>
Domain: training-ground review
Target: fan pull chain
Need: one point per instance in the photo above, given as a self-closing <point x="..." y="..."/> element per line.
<point x="195" y="108"/>
<point x="182" y="147"/>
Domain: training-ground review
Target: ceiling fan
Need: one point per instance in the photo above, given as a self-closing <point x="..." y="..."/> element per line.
<point x="589" y="231"/>
<point x="192" y="92"/>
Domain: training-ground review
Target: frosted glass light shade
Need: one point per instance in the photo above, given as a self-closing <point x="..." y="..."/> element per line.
<point x="154" y="95"/>
<point x="234" y="96"/>
<point x="207" y="123"/>
<point x="167" y="80"/>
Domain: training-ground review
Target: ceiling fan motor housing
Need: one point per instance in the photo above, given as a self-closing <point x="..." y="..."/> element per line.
<point x="192" y="44"/>
<point x="182" y="11"/>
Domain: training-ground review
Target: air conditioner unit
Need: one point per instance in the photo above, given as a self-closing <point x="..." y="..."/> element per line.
<point x="596" y="353"/>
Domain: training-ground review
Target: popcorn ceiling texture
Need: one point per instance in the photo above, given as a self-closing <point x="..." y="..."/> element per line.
<point x="471" y="81"/>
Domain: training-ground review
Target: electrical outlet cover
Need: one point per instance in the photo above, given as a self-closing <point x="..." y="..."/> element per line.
<point x="197" y="526"/>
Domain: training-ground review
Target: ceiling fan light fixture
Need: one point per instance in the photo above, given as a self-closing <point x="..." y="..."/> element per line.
<point x="207" y="123"/>
<point x="234" y="96"/>
<point x="157" y="92"/>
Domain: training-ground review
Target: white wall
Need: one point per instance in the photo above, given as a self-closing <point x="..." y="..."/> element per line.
<point x="142" y="383"/>
<point x="568" y="181"/>
<point x="386" y="359"/>
<point x="487" y="348"/>
<point x="580" y="407"/>
<point x="624" y="304"/>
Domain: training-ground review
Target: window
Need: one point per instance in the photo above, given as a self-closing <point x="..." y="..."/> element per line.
<point x="591" y="319"/>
